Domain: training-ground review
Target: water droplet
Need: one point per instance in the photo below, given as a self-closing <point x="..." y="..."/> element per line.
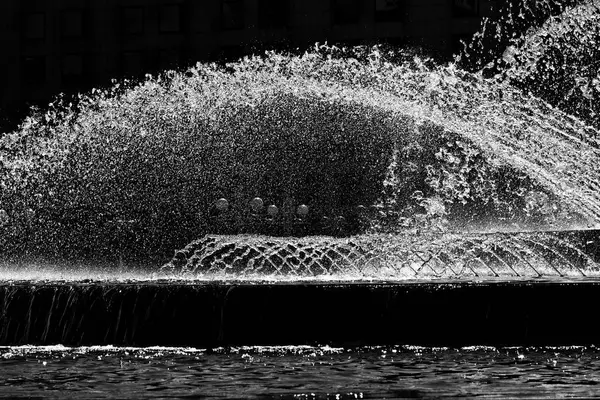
<point x="29" y="214"/>
<point x="4" y="218"/>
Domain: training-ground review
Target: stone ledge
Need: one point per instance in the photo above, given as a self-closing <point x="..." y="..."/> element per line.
<point x="219" y="314"/>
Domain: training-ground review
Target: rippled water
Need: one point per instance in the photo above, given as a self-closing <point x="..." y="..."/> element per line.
<point x="299" y="372"/>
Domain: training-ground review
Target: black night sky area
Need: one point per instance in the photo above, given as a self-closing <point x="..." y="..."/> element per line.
<point x="62" y="46"/>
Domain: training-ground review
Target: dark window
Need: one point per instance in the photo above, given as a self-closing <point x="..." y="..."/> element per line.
<point x="132" y="63"/>
<point x="230" y="53"/>
<point x="71" y="23"/>
<point x="33" y="71"/>
<point x="487" y="8"/>
<point x="389" y="10"/>
<point x="72" y="68"/>
<point x="168" y="59"/>
<point x="34" y="26"/>
<point x="170" y="18"/>
<point x="232" y="14"/>
<point x="273" y="13"/>
<point x="133" y="20"/>
<point x="345" y="11"/>
<point x="465" y="8"/>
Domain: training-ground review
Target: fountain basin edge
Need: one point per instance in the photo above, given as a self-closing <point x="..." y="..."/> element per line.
<point x="220" y="313"/>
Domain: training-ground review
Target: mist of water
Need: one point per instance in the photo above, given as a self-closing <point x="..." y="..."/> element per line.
<point x="136" y="167"/>
<point x="558" y="62"/>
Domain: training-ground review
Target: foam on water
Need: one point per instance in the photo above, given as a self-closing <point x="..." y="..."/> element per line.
<point x="7" y="352"/>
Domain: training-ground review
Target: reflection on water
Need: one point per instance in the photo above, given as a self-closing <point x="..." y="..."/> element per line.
<point x="300" y="372"/>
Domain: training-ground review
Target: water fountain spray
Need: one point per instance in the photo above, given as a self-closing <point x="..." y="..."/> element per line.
<point x="425" y="148"/>
<point x="393" y="196"/>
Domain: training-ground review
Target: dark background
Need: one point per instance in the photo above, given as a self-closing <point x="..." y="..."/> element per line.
<point x="67" y="46"/>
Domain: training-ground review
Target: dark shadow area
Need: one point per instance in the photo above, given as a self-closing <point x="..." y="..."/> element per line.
<point x="214" y="315"/>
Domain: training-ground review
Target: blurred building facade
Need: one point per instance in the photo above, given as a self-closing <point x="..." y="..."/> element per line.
<point x="54" y="46"/>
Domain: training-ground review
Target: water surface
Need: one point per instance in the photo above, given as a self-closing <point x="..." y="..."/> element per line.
<point x="303" y="372"/>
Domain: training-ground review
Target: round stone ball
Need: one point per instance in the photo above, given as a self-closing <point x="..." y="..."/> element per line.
<point x="272" y="210"/>
<point x="222" y="204"/>
<point x="256" y="204"/>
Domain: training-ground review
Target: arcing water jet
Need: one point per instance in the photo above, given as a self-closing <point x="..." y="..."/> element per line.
<point x="134" y="168"/>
